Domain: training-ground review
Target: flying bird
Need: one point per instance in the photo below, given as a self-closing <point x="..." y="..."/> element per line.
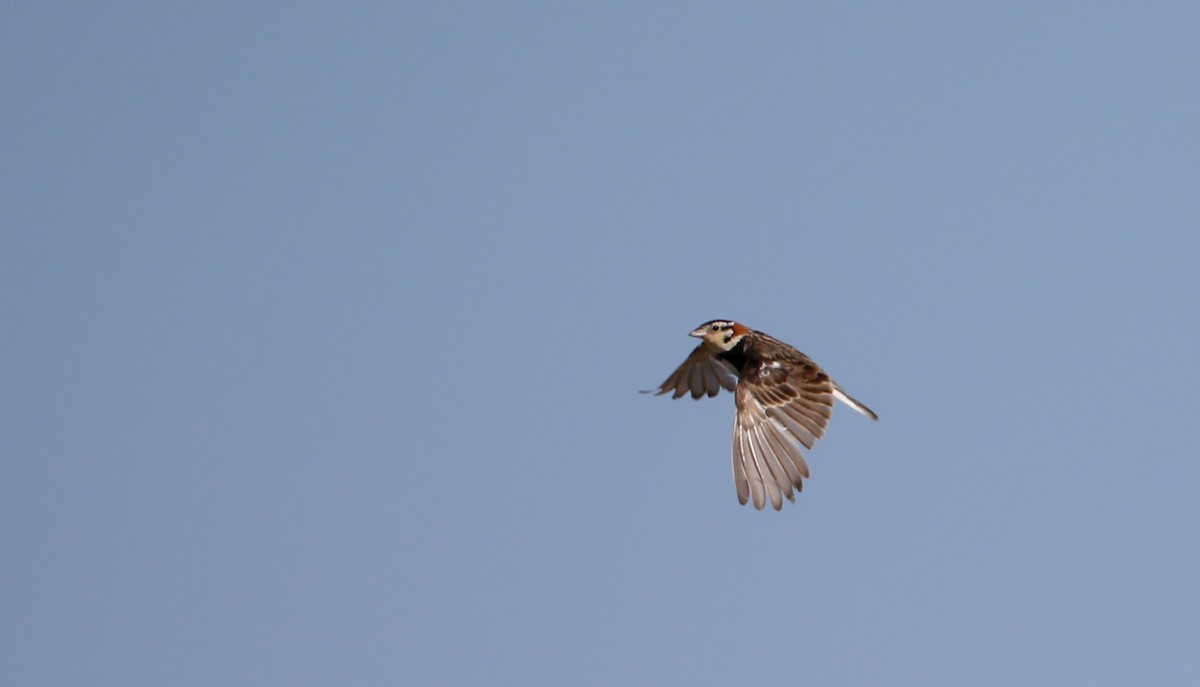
<point x="784" y="402"/>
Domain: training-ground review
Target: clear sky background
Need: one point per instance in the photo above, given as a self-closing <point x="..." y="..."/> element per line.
<point x="324" y="326"/>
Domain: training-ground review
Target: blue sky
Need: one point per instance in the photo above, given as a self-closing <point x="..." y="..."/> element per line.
<point x="325" y="325"/>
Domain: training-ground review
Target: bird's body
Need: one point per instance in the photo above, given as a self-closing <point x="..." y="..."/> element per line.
<point x="784" y="402"/>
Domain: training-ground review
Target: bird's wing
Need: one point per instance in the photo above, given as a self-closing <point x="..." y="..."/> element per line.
<point x="702" y="373"/>
<point x="780" y="410"/>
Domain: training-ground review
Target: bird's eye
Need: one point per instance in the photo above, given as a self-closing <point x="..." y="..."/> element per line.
<point x="715" y="327"/>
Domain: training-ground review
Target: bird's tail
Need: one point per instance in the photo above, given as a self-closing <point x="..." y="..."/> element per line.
<point x="849" y="400"/>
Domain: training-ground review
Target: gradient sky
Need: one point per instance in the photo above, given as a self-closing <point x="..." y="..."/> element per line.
<point x="324" y="326"/>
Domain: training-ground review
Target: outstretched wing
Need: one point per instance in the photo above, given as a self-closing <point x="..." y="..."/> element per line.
<point x="702" y="373"/>
<point x="780" y="410"/>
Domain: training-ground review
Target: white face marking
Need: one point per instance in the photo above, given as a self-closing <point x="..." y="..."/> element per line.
<point x="718" y="333"/>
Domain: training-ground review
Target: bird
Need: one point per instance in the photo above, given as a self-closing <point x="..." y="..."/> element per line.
<point x="784" y="402"/>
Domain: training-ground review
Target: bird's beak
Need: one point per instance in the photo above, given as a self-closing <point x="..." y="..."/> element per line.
<point x="699" y="333"/>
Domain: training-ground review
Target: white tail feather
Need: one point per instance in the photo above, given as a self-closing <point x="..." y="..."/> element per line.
<point x="848" y="400"/>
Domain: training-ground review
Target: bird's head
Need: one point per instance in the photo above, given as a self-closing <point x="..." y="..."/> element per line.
<point x="722" y="335"/>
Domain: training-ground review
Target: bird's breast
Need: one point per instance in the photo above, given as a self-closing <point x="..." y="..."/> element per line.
<point x="736" y="356"/>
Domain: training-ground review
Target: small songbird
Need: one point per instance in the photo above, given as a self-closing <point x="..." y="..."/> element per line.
<point x="784" y="402"/>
